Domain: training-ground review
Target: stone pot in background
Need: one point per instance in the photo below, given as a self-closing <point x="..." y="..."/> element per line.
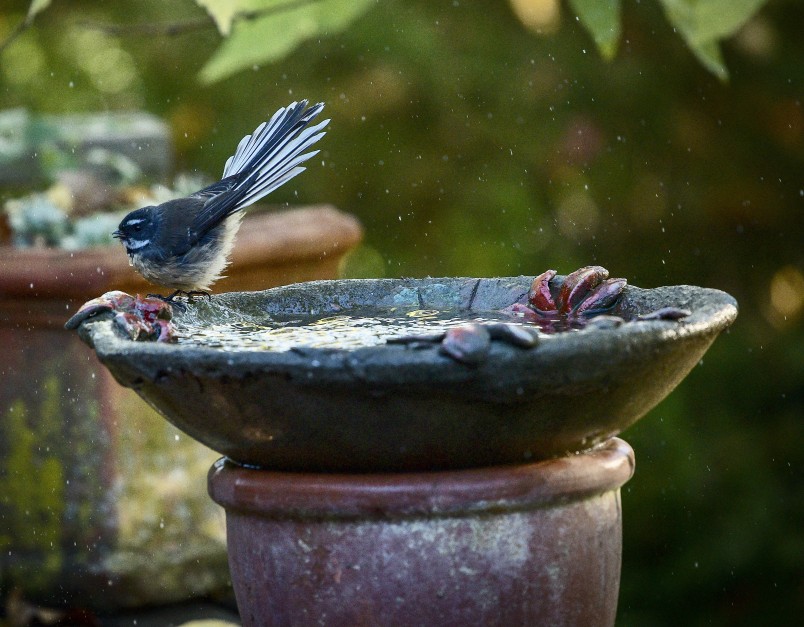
<point x="102" y="502"/>
<point x="34" y="145"/>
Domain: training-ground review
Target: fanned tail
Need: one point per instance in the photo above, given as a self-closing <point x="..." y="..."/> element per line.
<point x="263" y="161"/>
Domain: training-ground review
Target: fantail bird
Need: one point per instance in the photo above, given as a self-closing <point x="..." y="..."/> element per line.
<point x="184" y="244"/>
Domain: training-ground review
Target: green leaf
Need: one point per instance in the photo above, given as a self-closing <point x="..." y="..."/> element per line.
<point x="708" y="54"/>
<point x="35" y="8"/>
<point x="222" y="12"/>
<point x="266" y="39"/>
<point x="703" y="23"/>
<point x="601" y="18"/>
<point x="706" y="20"/>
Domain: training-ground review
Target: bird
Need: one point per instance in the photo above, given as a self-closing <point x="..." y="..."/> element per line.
<point x="184" y="244"/>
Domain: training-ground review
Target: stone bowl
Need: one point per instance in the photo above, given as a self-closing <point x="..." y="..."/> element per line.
<point x="393" y="408"/>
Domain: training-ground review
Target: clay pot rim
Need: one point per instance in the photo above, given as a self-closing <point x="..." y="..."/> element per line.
<point x="472" y="491"/>
<point x="282" y="237"/>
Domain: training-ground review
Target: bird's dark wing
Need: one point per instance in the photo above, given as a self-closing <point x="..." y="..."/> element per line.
<point x="263" y="161"/>
<point x="224" y="185"/>
<point x="175" y="226"/>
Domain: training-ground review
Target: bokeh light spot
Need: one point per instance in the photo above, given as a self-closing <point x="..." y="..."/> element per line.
<point x="577" y="215"/>
<point x="787" y="292"/>
<point x="23" y="62"/>
<point x="539" y="16"/>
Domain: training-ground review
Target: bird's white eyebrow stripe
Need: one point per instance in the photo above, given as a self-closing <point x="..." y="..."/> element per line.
<point x="135" y="244"/>
<point x="134" y="221"/>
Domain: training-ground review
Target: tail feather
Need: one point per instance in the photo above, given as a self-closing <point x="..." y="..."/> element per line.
<point x="285" y="157"/>
<point x="272" y="184"/>
<point x="263" y="161"/>
<point x="283" y="123"/>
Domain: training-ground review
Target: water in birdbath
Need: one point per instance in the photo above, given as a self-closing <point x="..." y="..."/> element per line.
<point x="358" y="329"/>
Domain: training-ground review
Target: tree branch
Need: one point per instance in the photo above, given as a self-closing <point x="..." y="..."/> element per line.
<point x="18" y="30"/>
<point x="169" y="29"/>
<point x="172" y="29"/>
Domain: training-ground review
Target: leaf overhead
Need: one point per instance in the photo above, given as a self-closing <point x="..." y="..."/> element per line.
<point x="702" y="23"/>
<point x="35" y="8"/>
<point x="268" y="38"/>
<point x="223" y="12"/>
<point x="601" y="18"/>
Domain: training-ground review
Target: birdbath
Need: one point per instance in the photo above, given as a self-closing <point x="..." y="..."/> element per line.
<point x="375" y="475"/>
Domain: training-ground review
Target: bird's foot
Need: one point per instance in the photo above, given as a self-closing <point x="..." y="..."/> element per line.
<point x="171" y="300"/>
<point x="192" y="293"/>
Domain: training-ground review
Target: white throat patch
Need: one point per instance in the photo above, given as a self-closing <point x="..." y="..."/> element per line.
<point x="136" y="244"/>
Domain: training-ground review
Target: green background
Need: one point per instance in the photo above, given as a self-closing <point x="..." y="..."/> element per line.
<point x="469" y="145"/>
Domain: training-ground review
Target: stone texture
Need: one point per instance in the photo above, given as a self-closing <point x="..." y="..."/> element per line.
<point x="391" y="408"/>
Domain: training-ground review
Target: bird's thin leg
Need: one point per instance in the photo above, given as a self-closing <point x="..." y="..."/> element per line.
<point x="171" y="300"/>
<point x="167" y="299"/>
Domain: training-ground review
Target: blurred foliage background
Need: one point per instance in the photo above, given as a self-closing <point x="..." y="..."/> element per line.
<point x="491" y="138"/>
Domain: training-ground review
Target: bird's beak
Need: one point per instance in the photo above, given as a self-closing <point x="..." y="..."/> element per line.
<point x="117" y="235"/>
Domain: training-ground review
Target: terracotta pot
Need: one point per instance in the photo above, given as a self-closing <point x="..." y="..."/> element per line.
<point x="533" y="544"/>
<point x="43" y="286"/>
<point x="99" y="498"/>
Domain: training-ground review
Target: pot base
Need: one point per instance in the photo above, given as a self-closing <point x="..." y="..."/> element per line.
<point x="512" y="545"/>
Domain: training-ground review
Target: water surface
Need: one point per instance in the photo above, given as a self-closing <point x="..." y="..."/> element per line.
<point x="357" y="329"/>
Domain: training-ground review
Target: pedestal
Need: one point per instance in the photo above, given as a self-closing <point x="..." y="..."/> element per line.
<point x="531" y="544"/>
